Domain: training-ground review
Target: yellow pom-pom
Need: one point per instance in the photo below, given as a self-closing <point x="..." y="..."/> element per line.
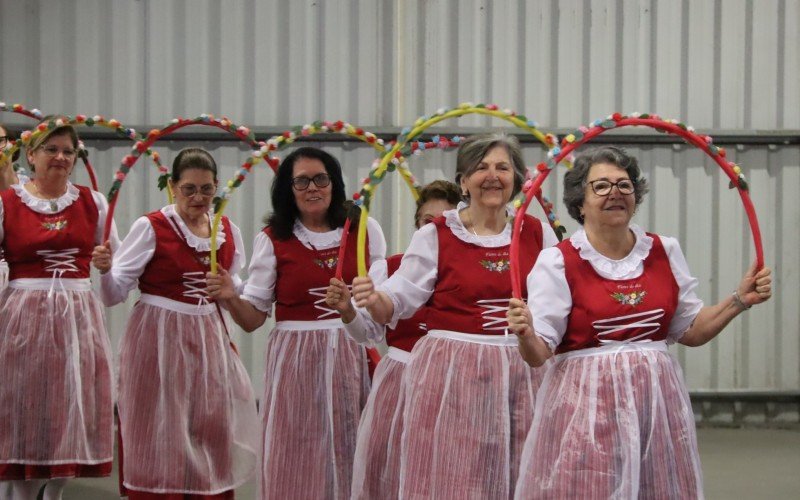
<point x="571" y="138"/>
<point x="517" y="204"/>
<point x="737" y="170"/>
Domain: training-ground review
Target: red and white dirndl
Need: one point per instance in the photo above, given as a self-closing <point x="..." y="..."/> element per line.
<point x="187" y="410"/>
<point x="56" y="411"/>
<point x="612" y="422"/>
<point x="376" y="470"/>
<point x="316" y="379"/>
<point x="469" y="396"/>
<point x="613" y="417"/>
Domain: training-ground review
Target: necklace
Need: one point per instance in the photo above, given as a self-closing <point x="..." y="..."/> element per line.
<point x="53" y="201"/>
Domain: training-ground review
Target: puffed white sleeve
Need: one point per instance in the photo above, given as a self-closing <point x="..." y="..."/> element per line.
<point x="377" y="241"/>
<point x="239" y="258"/>
<point x="549" y="237"/>
<point x="129" y="261"/>
<point x="549" y="297"/>
<point x="689" y="304"/>
<point x="102" y="210"/>
<point x="259" y="289"/>
<point x="412" y="284"/>
<point x="363" y="329"/>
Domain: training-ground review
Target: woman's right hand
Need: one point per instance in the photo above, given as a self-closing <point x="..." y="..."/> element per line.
<point x="364" y="291"/>
<point x="101" y="257"/>
<point x="519" y="318"/>
<point x="219" y="286"/>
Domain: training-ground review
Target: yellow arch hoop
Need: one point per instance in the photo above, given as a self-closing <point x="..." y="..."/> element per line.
<point x="393" y="156"/>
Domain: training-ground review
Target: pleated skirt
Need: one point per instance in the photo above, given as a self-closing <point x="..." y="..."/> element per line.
<point x="612" y="423"/>
<point x="316" y="385"/>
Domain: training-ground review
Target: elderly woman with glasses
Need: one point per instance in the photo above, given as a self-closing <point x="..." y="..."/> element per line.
<point x="56" y="412"/>
<point x="187" y="412"/>
<point x="613" y="418"/>
<point x="468" y="395"/>
<point x="316" y="380"/>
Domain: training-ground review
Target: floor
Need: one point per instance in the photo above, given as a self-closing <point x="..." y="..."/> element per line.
<point x="737" y="463"/>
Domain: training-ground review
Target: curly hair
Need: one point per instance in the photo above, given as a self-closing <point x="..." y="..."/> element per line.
<point x="575" y="178"/>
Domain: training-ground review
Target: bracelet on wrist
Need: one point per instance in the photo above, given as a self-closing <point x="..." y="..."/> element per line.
<point x="739" y="302"/>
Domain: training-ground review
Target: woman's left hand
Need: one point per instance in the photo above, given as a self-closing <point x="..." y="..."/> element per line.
<point x="220" y="286"/>
<point x="755" y="287"/>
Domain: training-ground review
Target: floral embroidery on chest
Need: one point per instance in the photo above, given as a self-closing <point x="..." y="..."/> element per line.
<point x="204" y="259"/>
<point x="496" y="262"/>
<point x="327" y="262"/>
<point x="630" y="295"/>
<point x="55" y="223"/>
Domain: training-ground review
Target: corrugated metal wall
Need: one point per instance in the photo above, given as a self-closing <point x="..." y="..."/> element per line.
<point x="731" y="66"/>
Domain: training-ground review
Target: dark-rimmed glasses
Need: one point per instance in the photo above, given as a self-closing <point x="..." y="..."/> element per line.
<point x="189" y="190"/>
<point x="4" y="140"/>
<point x="602" y="187"/>
<point x="302" y="182"/>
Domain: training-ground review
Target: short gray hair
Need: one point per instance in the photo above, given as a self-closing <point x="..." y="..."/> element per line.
<point x="575" y="178"/>
<point x="474" y="148"/>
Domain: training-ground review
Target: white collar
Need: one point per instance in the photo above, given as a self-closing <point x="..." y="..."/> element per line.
<point x="194" y="241"/>
<point x="316" y="240"/>
<point x="615" y="269"/>
<point x="47" y="207"/>
<point x="454" y="223"/>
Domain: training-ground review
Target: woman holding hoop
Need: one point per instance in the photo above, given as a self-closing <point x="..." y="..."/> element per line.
<point x="316" y="380"/>
<point x="613" y="417"/>
<point x="56" y="411"/>
<point x="377" y="463"/>
<point x="7" y="174"/>
<point x="187" y="412"/>
<point x="468" y="395"/>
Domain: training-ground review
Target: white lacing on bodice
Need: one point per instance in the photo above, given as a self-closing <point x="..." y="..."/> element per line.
<point x="319" y="303"/>
<point x="194" y="284"/>
<point x="494" y="314"/>
<point x="59" y="261"/>
<point x="645" y="319"/>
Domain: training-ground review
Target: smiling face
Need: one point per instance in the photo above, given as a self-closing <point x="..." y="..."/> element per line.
<point x="615" y="209"/>
<point x="54" y="158"/>
<point x="491" y="183"/>
<point x="190" y="202"/>
<point x="313" y="201"/>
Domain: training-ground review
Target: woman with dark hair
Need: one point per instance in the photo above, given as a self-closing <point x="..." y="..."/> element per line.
<point x="56" y="412"/>
<point x="613" y="418"/>
<point x="316" y="379"/>
<point x="187" y="412"/>
<point x="377" y="465"/>
<point x="468" y="395"/>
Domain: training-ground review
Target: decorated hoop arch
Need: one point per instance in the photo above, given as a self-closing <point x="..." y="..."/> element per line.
<point x="585" y="134"/>
<point x="78" y="120"/>
<point x="142" y="145"/>
<point x="38" y="115"/>
<point x="392" y="159"/>
<point x="280" y="141"/>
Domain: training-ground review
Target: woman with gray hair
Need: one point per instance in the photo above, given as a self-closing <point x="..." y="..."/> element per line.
<point x="613" y="418"/>
<point x="468" y="395"/>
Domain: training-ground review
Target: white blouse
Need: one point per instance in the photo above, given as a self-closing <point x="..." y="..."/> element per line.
<point x="549" y="296"/>
<point x="259" y="289"/>
<point x="139" y="246"/>
<point x="412" y="284"/>
<point x="57" y="205"/>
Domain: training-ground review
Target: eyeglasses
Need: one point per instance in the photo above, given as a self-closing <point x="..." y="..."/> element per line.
<point x="189" y="190"/>
<point x="602" y="187"/>
<point x="3" y="141"/>
<point x="302" y="182"/>
<point x="52" y="152"/>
